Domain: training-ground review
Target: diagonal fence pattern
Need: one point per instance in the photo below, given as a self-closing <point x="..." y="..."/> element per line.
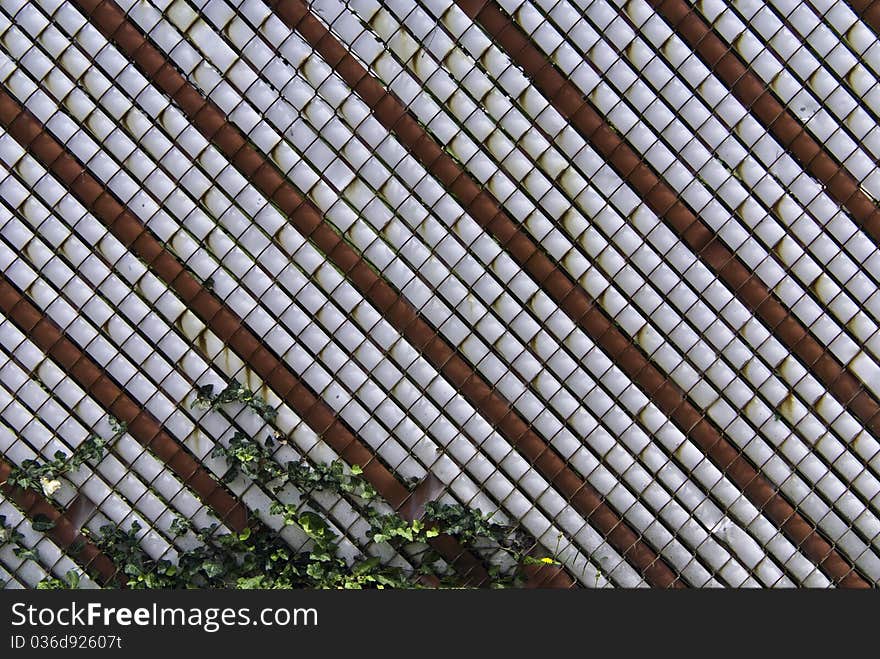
<point x="605" y="270"/>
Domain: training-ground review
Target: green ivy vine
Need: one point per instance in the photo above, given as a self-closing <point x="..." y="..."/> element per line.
<point x="44" y="476"/>
<point x="234" y="392"/>
<point x="258" y="557"/>
<point x="9" y="535"/>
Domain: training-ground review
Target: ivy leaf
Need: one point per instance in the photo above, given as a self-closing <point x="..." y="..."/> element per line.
<point x="315" y="571"/>
<point x="24" y="553"/>
<point x="72" y="578"/>
<point x="42" y="523"/>
<point x="314" y="526"/>
<point x="204" y="395"/>
<point x="365" y="566"/>
<point x="250" y="583"/>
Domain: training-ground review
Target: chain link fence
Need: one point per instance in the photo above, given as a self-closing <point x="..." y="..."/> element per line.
<point x="536" y="293"/>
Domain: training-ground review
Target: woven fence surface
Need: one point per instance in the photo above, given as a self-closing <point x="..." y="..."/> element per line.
<point x="605" y="269"/>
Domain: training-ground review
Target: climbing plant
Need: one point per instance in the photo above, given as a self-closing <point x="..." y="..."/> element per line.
<point x="259" y="557"/>
<point x="44" y="476"/>
<point x="234" y="392"/>
<point x="11" y="536"/>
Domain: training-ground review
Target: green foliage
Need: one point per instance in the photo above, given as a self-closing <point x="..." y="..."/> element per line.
<point x="234" y="392"/>
<point x="118" y="427"/>
<point x="39" y="476"/>
<point x="254" y="558"/>
<point x="259" y="557"/>
<point x="332" y="476"/>
<point x="181" y="526"/>
<point x="251" y="458"/>
<point x="247" y="456"/>
<point x="468" y="525"/>
<point x="9" y="535"/>
<point x="42" y="523"/>
<point x="43" y="477"/>
<point x="223" y="561"/>
<point x="70" y="581"/>
<point x="392" y="528"/>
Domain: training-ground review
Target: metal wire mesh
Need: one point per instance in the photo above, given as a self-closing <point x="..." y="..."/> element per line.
<point x="607" y="270"/>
